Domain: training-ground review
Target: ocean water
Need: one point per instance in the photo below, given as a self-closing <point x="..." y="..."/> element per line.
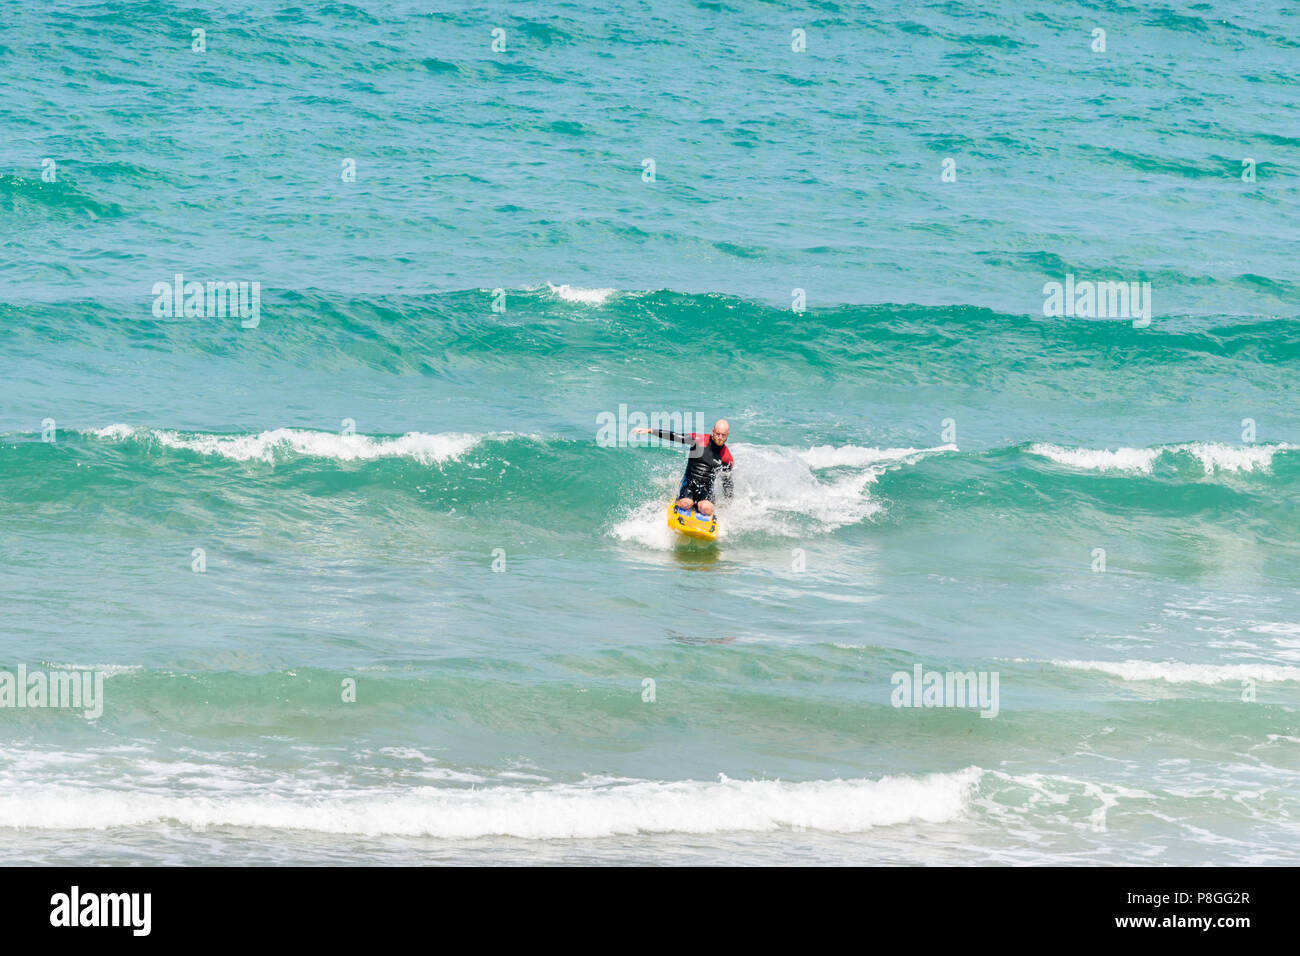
<point x="364" y="584"/>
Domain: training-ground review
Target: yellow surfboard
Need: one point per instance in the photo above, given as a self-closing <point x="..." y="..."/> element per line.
<point x="691" y="523"/>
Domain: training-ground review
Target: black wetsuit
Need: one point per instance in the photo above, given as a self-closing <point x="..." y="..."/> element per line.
<point x="707" y="460"/>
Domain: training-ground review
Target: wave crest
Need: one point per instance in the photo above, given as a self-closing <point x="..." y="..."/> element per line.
<point x="534" y="813"/>
<point x="1175" y="672"/>
<point x="779" y="492"/>
<point x="1212" y="456"/>
<point x="282" y="443"/>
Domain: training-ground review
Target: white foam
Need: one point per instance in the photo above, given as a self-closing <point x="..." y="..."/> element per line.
<point x="778" y="492"/>
<point x="266" y="446"/>
<point x="648" y="525"/>
<point x="1213" y="456"/>
<point x="118" y="431"/>
<point x="1122" y="459"/>
<point x="1233" y="458"/>
<point x="108" y="670"/>
<point x="852" y="456"/>
<point x="578" y="294"/>
<point x="1174" y="672"/>
<point x="1057" y="798"/>
<point x="429" y="768"/>
<point x="536" y="813"/>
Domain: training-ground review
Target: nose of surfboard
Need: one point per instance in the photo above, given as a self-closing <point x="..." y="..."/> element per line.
<point x="692" y="524"/>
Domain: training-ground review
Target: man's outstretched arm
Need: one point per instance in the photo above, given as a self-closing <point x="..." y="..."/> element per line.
<point x="667" y="434"/>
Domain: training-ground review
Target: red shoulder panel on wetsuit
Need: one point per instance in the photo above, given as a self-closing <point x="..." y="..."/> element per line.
<point x="726" y="455"/>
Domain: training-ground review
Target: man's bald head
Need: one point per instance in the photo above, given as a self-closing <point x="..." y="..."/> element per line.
<point x="721" y="430"/>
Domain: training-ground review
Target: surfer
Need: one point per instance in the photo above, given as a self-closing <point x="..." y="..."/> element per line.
<point x="709" y="458"/>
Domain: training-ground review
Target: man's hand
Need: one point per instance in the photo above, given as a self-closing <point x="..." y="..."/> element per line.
<point x="639" y="431"/>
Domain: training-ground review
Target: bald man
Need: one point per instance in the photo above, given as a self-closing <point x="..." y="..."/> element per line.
<point x="709" y="457"/>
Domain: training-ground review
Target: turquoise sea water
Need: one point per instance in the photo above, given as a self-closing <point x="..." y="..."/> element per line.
<point x="391" y="487"/>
